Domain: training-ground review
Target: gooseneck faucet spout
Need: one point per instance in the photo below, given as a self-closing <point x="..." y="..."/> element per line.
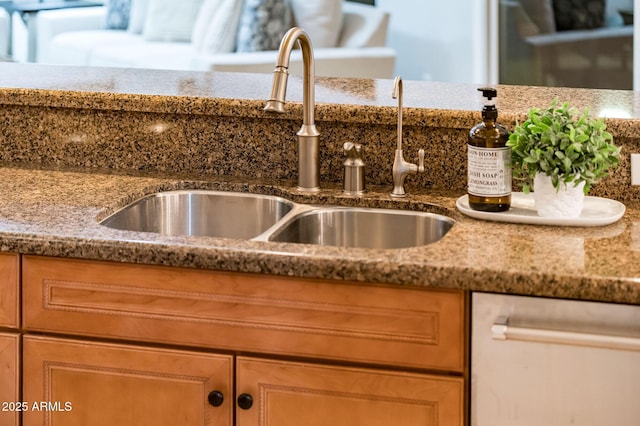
<point x="402" y="168"/>
<point x="308" y="135"/>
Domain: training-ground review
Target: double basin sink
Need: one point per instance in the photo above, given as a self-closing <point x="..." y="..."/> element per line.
<point x="270" y="218"/>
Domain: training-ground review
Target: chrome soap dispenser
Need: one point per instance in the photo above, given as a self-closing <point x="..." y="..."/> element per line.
<point x="488" y="160"/>
<point x="353" y="182"/>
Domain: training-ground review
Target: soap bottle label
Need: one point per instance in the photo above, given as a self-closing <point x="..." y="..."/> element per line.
<point x="489" y="173"/>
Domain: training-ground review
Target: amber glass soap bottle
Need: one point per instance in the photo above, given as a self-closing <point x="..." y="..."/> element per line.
<point x="488" y="160"/>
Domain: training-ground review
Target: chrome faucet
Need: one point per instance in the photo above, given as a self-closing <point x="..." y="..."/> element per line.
<point x="401" y="168"/>
<point x="308" y="135"/>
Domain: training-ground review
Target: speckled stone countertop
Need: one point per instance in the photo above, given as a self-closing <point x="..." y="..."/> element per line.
<point x="358" y="100"/>
<point x="55" y="211"/>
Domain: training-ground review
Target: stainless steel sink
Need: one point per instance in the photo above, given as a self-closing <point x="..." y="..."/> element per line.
<point x="269" y="218"/>
<point x="201" y="213"/>
<point x="363" y="228"/>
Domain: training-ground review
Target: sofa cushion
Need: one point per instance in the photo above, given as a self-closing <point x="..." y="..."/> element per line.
<point x="262" y="25"/>
<point x="366" y="62"/>
<point x="216" y="26"/>
<point x="321" y="19"/>
<point x="158" y="55"/>
<point x="54" y="23"/>
<point x="170" y="20"/>
<point x="363" y="26"/>
<point x="75" y="47"/>
<point x="117" y="14"/>
<point x="137" y="14"/>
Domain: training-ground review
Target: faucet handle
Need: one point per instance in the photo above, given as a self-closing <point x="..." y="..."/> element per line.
<point x="421" y="160"/>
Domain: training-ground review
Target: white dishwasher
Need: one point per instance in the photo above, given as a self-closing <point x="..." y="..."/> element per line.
<point x="548" y="362"/>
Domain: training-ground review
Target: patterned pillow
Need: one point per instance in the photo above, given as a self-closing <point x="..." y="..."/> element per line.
<point x="117" y="14"/>
<point x="262" y="25"/>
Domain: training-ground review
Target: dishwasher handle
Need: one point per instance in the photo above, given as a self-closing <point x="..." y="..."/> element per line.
<point x="501" y="330"/>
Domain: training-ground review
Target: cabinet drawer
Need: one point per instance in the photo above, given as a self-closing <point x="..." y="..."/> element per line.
<point x="9" y="302"/>
<point x="246" y="312"/>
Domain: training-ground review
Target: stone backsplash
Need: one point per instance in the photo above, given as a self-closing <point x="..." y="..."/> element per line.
<point x="255" y="148"/>
<point x="225" y="133"/>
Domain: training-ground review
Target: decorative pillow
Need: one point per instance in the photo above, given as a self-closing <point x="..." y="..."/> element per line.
<point x="216" y="26"/>
<point x="137" y="14"/>
<point x="170" y="20"/>
<point x="541" y="14"/>
<point x="579" y="14"/>
<point x="208" y="10"/>
<point x="262" y="25"/>
<point x="321" y="19"/>
<point x="117" y="14"/>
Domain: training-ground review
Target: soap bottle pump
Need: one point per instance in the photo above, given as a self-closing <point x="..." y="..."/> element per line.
<point x="488" y="160"/>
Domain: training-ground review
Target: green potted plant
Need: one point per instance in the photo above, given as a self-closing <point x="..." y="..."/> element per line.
<point x="560" y="152"/>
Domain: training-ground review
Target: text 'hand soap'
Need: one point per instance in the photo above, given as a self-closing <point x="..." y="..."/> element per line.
<point x="488" y="160"/>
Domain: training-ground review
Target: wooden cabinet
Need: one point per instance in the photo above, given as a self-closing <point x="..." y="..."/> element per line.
<point x="10" y="406"/>
<point x="102" y="384"/>
<point x="73" y="382"/>
<point x="347" y="343"/>
<point x="292" y="394"/>
<point x="9" y="290"/>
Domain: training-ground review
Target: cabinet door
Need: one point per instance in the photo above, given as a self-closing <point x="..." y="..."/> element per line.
<point x="9" y="266"/>
<point x="9" y="379"/>
<point x="69" y="382"/>
<point x="292" y="394"/>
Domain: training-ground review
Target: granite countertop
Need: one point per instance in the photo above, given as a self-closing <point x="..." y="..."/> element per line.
<point x="344" y="99"/>
<point x="55" y="212"/>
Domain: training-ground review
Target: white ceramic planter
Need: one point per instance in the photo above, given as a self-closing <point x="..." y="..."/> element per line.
<point x="566" y="202"/>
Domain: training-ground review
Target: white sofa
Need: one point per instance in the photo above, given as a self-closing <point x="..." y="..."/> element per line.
<point x="77" y="37"/>
<point x="4" y="35"/>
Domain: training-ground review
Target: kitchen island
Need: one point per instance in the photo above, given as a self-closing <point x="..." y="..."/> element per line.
<point x="84" y="300"/>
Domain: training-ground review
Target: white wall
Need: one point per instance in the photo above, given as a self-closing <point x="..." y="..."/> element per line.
<point x="435" y="39"/>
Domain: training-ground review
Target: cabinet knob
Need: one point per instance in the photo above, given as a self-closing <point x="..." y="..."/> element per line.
<point x="216" y="398"/>
<point x="245" y="401"/>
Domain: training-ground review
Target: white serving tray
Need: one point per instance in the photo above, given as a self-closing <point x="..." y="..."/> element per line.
<point x="597" y="211"/>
